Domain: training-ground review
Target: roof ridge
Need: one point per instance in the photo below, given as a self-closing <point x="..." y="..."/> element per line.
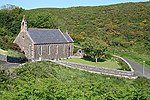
<point x="69" y="36"/>
<point x="64" y="36"/>
<point x="43" y="28"/>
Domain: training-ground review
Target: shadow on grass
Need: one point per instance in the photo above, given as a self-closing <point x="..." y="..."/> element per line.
<point x="92" y="59"/>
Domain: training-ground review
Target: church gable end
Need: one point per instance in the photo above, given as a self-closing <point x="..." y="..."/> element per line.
<point x="23" y="39"/>
<point x="44" y="44"/>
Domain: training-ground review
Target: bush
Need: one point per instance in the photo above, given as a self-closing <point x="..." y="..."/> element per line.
<point x="46" y="80"/>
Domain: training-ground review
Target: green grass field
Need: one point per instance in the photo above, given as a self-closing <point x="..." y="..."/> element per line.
<point x="106" y="64"/>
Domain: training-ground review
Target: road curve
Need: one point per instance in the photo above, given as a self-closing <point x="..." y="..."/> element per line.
<point x="138" y="68"/>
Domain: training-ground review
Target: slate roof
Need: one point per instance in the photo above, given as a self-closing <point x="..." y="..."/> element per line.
<point x="68" y="37"/>
<point x="41" y="36"/>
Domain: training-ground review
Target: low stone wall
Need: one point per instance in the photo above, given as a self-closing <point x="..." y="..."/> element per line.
<point x="125" y="62"/>
<point x="100" y="70"/>
<point x="3" y="57"/>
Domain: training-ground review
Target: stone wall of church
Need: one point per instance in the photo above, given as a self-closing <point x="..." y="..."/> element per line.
<point x="52" y="51"/>
<point x="25" y="44"/>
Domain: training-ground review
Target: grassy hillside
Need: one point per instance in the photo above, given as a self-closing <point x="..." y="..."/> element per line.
<point x="124" y="27"/>
<point x="49" y="81"/>
<point x="121" y="25"/>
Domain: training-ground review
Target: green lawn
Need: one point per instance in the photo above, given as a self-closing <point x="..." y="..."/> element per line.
<point x="106" y="64"/>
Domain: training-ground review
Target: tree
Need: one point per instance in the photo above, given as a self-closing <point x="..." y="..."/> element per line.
<point x="8" y="7"/>
<point x="94" y="48"/>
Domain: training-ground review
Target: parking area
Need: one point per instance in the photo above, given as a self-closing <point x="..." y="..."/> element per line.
<point x="4" y="64"/>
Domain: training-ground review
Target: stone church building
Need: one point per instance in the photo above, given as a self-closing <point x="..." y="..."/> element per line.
<point x="44" y="44"/>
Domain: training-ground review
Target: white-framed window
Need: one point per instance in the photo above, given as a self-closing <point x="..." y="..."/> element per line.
<point x="69" y="50"/>
<point x="49" y="50"/>
<point x="64" y="49"/>
<point x="41" y="50"/>
<point x="57" y="49"/>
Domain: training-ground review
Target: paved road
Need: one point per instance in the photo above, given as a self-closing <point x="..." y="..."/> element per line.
<point x="6" y="64"/>
<point x="138" y="68"/>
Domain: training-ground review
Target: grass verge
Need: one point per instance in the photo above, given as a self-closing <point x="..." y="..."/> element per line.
<point x="3" y="52"/>
<point x="132" y="56"/>
<point x="106" y="64"/>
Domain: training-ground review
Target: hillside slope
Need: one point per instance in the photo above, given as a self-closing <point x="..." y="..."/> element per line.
<point x="46" y="80"/>
<point x="124" y="27"/>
